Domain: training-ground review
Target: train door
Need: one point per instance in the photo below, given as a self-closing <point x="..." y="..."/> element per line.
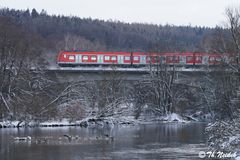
<point x="143" y="59"/>
<point x="183" y="60"/>
<point x="226" y="59"/>
<point x="100" y="58"/>
<point x="120" y="59"/>
<point x="78" y="58"/>
<point x="205" y="60"/>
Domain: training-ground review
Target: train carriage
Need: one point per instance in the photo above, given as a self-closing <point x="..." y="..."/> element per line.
<point x="196" y="59"/>
<point x="137" y="59"/>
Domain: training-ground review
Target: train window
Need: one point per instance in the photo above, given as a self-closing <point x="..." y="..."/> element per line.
<point x="113" y="58"/>
<point x="189" y="58"/>
<point x="218" y="59"/>
<point x="156" y="59"/>
<point x="198" y="58"/>
<point x="85" y="58"/>
<point x="135" y="58"/>
<point x="71" y="58"/>
<point x="169" y="58"/>
<point x="93" y="58"/>
<point x="127" y="58"/>
<point x="175" y="58"/>
<point x="162" y="58"/>
<point x="107" y="58"/>
<point x="211" y="58"/>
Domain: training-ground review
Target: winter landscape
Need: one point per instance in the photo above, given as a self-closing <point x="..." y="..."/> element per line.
<point x="185" y="108"/>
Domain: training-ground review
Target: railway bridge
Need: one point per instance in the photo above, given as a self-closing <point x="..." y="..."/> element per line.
<point x="74" y="74"/>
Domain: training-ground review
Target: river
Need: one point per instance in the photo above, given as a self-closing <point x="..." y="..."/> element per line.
<point x="145" y="141"/>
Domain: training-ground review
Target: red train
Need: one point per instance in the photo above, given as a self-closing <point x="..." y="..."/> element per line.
<point x="74" y="58"/>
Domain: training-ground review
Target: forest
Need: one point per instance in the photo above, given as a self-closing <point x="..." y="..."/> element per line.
<point x="73" y="33"/>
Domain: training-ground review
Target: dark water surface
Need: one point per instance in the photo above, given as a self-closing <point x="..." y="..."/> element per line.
<point x="148" y="141"/>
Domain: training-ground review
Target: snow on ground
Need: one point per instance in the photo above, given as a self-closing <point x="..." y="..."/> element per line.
<point x="92" y="121"/>
<point x="50" y="123"/>
<point x="174" y="118"/>
<point x="11" y="124"/>
<point x="224" y="136"/>
<point x="64" y="122"/>
<point x="237" y="158"/>
<point x="89" y="121"/>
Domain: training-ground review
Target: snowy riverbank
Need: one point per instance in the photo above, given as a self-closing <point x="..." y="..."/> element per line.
<point x="90" y="121"/>
<point x="93" y="121"/>
<point x="225" y="136"/>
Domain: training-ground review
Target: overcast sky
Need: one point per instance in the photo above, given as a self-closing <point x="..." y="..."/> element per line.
<point x="177" y="12"/>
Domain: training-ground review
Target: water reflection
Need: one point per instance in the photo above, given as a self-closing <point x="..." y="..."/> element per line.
<point x="149" y="141"/>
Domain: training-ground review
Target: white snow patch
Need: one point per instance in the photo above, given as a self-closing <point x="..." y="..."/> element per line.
<point x="63" y="122"/>
<point x="51" y="123"/>
<point x="11" y="124"/>
<point x="237" y="158"/>
<point x="173" y="117"/>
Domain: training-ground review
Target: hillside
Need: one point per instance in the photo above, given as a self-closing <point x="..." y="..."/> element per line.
<point x="60" y="32"/>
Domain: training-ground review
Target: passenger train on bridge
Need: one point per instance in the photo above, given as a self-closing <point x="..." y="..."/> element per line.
<point x="136" y="59"/>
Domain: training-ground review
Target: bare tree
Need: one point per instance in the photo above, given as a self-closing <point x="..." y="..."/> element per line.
<point x="22" y="90"/>
<point x="13" y="52"/>
<point x="162" y="80"/>
<point x="96" y="98"/>
<point x="223" y="85"/>
<point x="233" y="15"/>
<point x="226" y="89"/>
<point x="157" y="91"/>
<point x="75" y="42"/>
